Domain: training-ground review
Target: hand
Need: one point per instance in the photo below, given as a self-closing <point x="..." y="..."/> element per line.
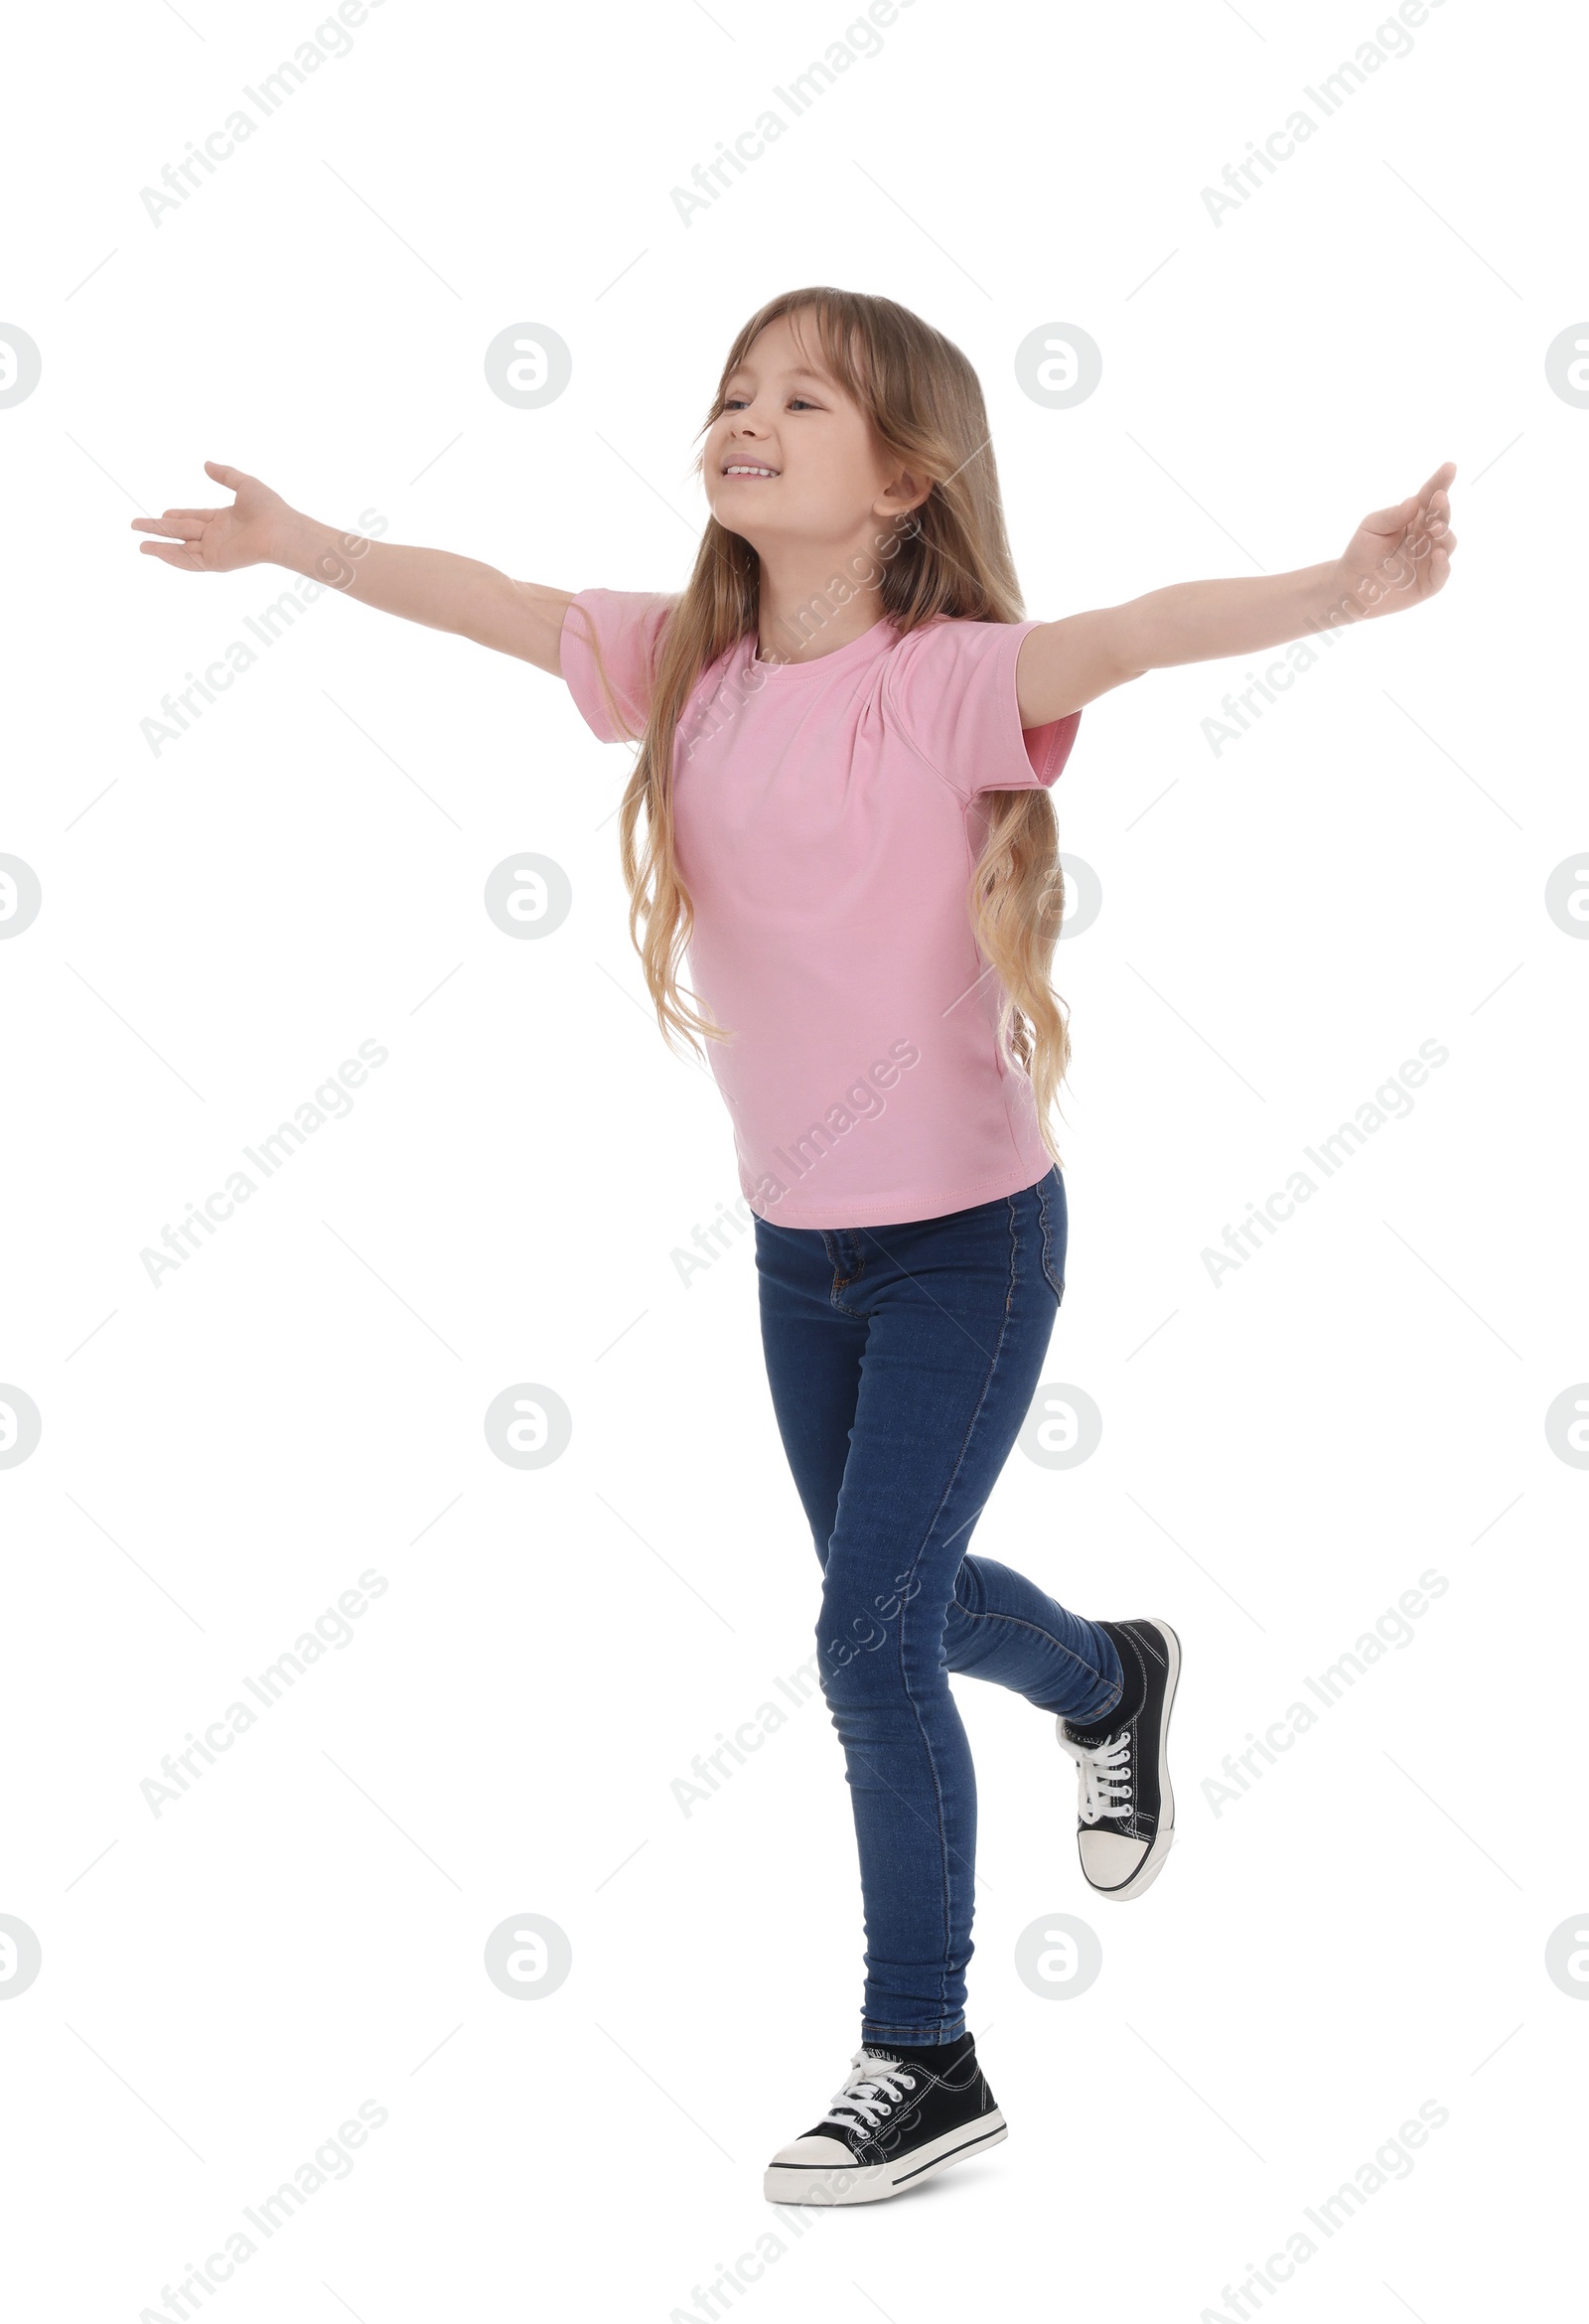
<point x="219" y="541"/>
<point x="1399" y="556"/>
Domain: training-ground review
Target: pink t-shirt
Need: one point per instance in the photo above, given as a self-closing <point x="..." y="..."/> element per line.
<point x="828" y="825"/>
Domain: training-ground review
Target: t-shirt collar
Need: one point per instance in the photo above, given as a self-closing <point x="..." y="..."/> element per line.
<point x="871" y="642"/>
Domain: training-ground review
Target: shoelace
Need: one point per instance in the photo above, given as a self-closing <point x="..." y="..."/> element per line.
<point x="873" y="2088"/>
<point x="1105" y="1775"/>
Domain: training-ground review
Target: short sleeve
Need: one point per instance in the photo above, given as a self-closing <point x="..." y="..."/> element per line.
<point x="626" y="624"/>
<point x="952" y="690"/>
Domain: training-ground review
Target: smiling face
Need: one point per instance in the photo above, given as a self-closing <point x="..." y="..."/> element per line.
<point x="791" y="459"/>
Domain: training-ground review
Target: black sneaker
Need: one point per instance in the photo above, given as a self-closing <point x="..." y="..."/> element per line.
<point x="1126" y="1819"/>
<point x="894" y="2123"/>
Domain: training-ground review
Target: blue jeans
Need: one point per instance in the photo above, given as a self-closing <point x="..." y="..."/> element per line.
<point x="903" y="1360"/>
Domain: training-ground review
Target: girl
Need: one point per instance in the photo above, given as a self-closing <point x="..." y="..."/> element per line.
<point x="839" y="818"/>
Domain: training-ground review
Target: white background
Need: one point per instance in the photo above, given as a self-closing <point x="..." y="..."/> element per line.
<point x="1360" y="1932"/>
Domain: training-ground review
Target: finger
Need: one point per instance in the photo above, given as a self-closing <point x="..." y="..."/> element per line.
<point x="1434" y="503"/>
<point x="1388" y="520"/>
<point x="184" y="558"/>
<point x="1430" y="520"/>
<point x="233" y="478"/>
<point x="176" y="525"/>
<point x="168" y="516"/>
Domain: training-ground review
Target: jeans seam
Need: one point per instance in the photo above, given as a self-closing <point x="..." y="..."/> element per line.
<point x="1046" y="1261"/>
<point x="841" y="1281"/>
<point x="944" y="1850"/>
<point x="871" y="2031"/>
<point x="905" y="1682"/>
<point x="1018" y="1622"/>
<point x="911" y="2034"/>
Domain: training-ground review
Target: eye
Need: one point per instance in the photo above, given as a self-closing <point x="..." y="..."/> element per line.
<point x="736" y="402"/>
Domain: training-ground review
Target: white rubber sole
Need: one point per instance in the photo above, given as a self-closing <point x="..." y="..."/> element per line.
<point x="871" y="2182"/>
<point x="1153" y="1862"/>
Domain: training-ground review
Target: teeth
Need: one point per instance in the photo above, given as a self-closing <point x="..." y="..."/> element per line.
<point x="743" y="468"/>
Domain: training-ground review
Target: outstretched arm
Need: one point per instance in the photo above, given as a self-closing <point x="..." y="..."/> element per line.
<point x="1397" y="557"/>
<point x="432" y="586"/>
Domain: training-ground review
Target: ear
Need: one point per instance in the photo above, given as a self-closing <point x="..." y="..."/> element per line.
<point x="901" y="493"/>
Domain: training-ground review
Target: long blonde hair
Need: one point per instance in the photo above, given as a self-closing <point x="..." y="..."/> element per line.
<point x="951" y="556"/>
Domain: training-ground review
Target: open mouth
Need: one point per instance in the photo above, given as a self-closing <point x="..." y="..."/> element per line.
<point x="752" y="468"/>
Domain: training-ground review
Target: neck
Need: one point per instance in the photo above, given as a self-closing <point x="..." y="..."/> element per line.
<point x="800" y="624"/>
